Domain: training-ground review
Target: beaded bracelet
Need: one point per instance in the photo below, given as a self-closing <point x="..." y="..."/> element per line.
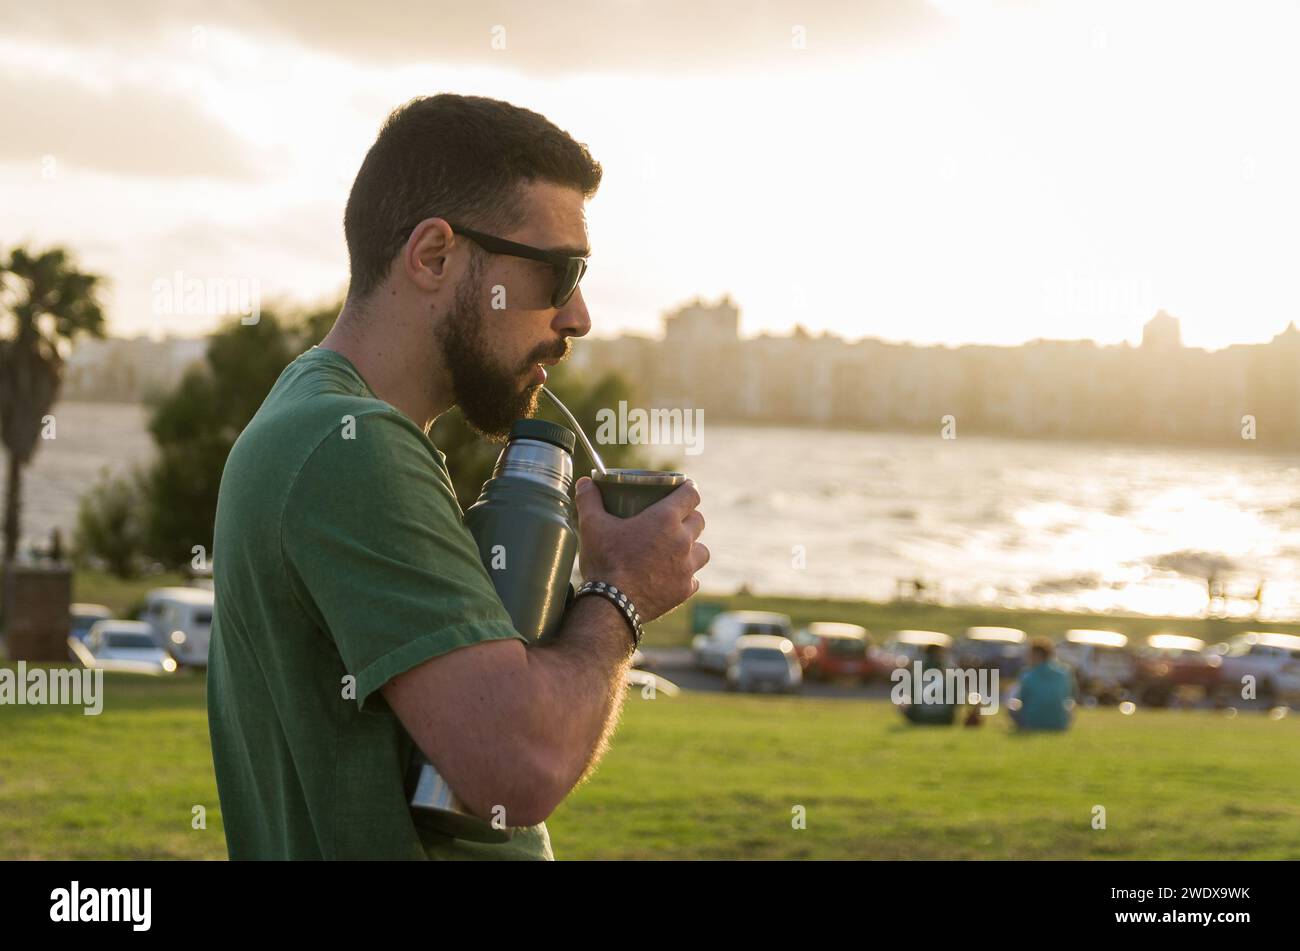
<point x="621" y="601"/>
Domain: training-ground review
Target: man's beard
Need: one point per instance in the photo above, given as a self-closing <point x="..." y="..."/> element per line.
<point x="488" y="394"/>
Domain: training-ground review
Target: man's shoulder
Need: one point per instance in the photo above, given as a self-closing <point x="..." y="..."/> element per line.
<point x="1056" y="673"/>
<point x="321" y="418"/>
<point x="1036" y="673"/>
<point x="320" y="396"/>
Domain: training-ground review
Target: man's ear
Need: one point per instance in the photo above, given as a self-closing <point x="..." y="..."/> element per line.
<point x="424" y="257"/>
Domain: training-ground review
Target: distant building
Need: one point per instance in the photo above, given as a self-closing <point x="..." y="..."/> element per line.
<point x="698" y="324"/>
<point x="1160" y="391"/>
<point x="1162" y="332"/>
<point x="118" y="369"/>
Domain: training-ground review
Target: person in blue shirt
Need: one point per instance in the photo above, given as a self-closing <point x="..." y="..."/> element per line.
<point x="1047" y="691"/>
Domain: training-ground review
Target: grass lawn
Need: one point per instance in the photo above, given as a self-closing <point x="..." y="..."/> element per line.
<point x="118" y="785"/>
<point x="717" y="776"/>
<point x="122" y="597"/>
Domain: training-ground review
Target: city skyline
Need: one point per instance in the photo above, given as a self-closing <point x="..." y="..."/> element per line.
<point x="920" y="172"/>
<point x="1161" y="390"/>
<point x="283" y="308"/>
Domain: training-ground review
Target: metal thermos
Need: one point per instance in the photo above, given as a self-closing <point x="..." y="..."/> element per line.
<point x="525" y="525"/>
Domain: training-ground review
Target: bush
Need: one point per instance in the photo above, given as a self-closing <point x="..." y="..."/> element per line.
<point x="111" y="525"/>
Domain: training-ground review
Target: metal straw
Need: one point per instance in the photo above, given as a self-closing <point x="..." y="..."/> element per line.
<point x="586" y="443"/>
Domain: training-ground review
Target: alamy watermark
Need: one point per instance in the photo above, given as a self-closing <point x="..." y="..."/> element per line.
<point x="190" y="296"/>
<point x="922" y="686"/>
<point x="651" y="427"/>
<point x="60" y="686"/>
<point x="129" y="905"/>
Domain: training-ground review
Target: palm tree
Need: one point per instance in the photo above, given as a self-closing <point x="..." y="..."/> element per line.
<point x="44" y="301"/>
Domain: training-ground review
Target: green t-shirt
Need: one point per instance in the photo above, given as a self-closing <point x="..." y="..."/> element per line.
<point x="339" y="550"/>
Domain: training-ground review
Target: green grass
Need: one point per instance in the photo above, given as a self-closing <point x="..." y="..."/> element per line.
<point x="716" y="776"/>
<point x="118" y="785"/>
<point x="122" y="597"/>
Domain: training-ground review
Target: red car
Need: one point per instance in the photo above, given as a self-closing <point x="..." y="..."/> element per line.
<point x="1167" y="663"/>
<point x="829" y="650"/>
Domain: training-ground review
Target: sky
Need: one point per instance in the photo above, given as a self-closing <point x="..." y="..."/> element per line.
<point x="934" y="171"/>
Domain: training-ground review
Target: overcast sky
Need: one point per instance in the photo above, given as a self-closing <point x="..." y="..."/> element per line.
<point x="937" y="171"/>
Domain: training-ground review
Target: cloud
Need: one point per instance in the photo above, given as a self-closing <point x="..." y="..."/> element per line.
<point x="540" y="38"/>
<point x="131" y="129"/>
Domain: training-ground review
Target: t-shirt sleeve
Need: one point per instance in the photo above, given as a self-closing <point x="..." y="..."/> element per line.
<point x="376" y="551"/>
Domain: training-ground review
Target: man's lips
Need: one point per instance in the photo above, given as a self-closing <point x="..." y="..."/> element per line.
<point x="538" y="369"/>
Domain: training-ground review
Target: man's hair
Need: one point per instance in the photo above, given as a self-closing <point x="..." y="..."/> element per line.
<point x="1042" y="646"/>
<point x="463" y="158"/>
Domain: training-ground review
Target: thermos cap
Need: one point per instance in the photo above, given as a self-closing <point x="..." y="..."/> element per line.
<point x="546" y="431"/>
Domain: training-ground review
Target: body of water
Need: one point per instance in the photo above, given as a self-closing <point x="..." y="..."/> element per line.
<point x="88" y="439"/>
<point x="1018" y="523"/>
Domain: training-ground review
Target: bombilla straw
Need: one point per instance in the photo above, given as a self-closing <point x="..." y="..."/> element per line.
<point x="586" y="443"/>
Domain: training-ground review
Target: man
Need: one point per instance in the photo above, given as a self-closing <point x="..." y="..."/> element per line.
<point x="1046" y="692"/>
<point x="934" y="713"/>
<point x="355" y="621"/>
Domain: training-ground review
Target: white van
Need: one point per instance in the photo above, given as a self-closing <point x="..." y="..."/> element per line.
<point x="711" y="650"/>
<point x="181" y="621"/>
<point x="1104" y="666"/>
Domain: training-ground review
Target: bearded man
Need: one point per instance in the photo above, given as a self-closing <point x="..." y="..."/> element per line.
<point x="355" y="624"/>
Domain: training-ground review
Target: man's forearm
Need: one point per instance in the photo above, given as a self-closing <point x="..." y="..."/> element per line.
<point x="580" y="686"/>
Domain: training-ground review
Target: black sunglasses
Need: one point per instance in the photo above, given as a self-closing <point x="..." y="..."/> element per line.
<point x="568" y="268"/>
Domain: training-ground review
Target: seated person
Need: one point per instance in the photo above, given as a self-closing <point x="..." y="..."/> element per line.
<point x="931" y="713"/>
<point x="1046" y="691"/>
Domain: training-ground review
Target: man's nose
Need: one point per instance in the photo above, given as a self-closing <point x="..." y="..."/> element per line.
<point x="573" y="319"/>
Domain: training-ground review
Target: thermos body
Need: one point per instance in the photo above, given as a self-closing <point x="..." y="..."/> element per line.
<point x="525" y="525"/>
<point x="528" y="539"/>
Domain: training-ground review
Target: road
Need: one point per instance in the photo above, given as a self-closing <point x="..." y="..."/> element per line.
<point x="677" y="665"/>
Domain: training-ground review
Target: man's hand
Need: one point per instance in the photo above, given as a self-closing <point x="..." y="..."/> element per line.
<point x="653" y="556"/>
<point x="517" y="727"/>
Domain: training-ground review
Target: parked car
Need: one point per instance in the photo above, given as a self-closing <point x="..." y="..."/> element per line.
<point x="643" y="679"/>
<point x="993" y="648"/>
<point x="83" y="616"/>
<point x="902" y="648"/>
<point x="181" y="619"/>
<point x="126" y="645"/>
<point x="831" y="649"/>
<point x="1170" y="663"/>
<point x="764" y="662"/>
<point x="1104" y="667"/>
<point x="1272" y="659"/>
<point x="711" y="650"/>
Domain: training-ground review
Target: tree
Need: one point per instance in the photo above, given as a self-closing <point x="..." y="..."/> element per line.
<point x="45" y="302"/>
<point x="194" y="428"/>
<point x="110" y="524"/>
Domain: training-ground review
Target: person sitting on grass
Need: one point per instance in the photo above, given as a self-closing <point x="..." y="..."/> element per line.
<point x="932" y="713"/>
<point x="1047" y="691"/>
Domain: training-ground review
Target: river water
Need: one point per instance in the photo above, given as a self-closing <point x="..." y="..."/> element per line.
<point x="1018" y="523"/>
